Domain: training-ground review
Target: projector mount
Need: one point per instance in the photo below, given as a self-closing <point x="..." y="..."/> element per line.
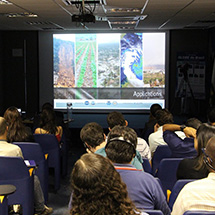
<point x="85" y="13"/>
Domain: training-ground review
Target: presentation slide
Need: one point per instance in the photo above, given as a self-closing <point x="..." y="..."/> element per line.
<point x="102" y="71"/>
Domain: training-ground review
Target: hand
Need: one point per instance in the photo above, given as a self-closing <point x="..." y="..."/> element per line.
<point x="190" y="132"/>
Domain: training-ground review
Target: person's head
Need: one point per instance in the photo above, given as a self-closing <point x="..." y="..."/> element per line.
<point x="97" y="188"/>
<point x="121" y="144"/>
<point x="203" y="134"/>
<point x="116" y="118"/>
<point x="163" y="117"/>
<point x="92" y="135"/>
<point x="47" y="105"/>
<point x="47" y="120"/>
<point x="154" y="108"/>
<point x="11" y="115"/>
<point x="3" y="126"/>
<point x="193" y="122"/>
<point x="211" y="116"/>
<point x="209" y="155"/>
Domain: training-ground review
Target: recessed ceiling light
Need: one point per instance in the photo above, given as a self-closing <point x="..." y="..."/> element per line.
<point x="5" y="2"/>
<point x="125" y="10"/>
<point x="18" y="15"/>
<point x="123" y="22"/>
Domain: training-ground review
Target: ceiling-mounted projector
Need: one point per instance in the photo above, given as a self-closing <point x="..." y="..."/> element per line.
<point x="83" y="18"/>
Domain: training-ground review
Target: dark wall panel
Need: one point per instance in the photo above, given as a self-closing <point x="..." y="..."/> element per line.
<point x="20" y="70"/>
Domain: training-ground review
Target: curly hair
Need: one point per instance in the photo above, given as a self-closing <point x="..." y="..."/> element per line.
<point x="97" y="188"/>
<point x="47" y="121"/>
<point x="16" y="129"/>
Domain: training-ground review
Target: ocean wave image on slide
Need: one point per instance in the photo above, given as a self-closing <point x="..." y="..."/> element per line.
<point x="131" y="60"/>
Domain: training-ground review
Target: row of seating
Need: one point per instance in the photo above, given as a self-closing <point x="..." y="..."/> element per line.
<point x="46" y="153"/>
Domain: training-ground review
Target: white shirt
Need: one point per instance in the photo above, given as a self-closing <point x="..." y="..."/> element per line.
<point x="143" y="148"/>
<point x="196" y="195"/>
<point x="10" y="150"/>
<point x="156" y="138"/>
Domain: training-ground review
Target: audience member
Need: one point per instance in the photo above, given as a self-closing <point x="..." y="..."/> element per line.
<point x="17" y="131"/>
<point x="48" y="124"/>
<point x="116" y="118"/>
<point x="194" y="168"/>
<point x="149" y="126"/>
<point x="10" y="150"/>
<point x="155" y="139"/>
<point x="143" y="189"/>
<point x="92" y="135"/>
<point x="97" y="188"/>
<point x="211" y="116"/>
<point x="179" y="147"/>
<point x="199" y="194"/>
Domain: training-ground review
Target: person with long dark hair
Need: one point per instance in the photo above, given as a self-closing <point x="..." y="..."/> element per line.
<point x="195" y="168"/>
<point x="17" y="131"/>
<point x="97" y="188"/>
<point x="48" y="124"/>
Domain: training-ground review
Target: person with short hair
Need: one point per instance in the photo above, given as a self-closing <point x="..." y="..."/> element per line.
<point x="143" y="189"/>
<point x="116" y="118"/>
<point x="97" y="188"/>
<point x="181" y="148"/>
<point x="199" y="194"/>
<point x="93" y="137"/>
<point x="156" y="138"/>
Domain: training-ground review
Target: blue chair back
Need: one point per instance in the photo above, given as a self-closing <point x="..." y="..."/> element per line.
<point x="14" y="171"/>
<point x="146" y="166"/>
<point x="162" y="151"/>
<point x="176" y="190"/>
<point x="167" y="172"/>
<point x="153" y="212"/>
<point x="33" y="151"/>
<point x="50" y="147"/>
<point x="199" y="213"/>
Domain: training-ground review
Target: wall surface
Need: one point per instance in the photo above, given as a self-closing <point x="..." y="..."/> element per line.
<point x="20" y="70"/>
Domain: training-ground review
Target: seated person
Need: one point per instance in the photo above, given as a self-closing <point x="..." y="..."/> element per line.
<point x="10" y="150"/>
<point x="195" y="168"/>
<point x="149" y="126"/>
<point x="179" y="147"/>
<point x="199" y="194"/>
<point x="48" y="124"/>
<point x="97" y="188"/>
<point x="143" y="189"/>
<point x="155" y="139"/>
<point x="92" y="135"/>
<point x="17" y="131"/>
<point x="116" y="118"/>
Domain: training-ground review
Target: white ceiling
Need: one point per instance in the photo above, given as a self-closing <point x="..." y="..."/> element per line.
<point x="160" y="15"/>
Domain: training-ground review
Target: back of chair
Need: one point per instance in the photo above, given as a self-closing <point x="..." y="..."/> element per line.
<point x="33" y="151"/>
<point x="199" y="213"/>
<point x="162" y="151"/>
<point x="176" y="190"/>
<point x="146" y="166"/>
<point x="167" y="172"/>
<point x="50" y="147"/>
<point x="153" y="212"/>
<point x="14" y="171"/>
